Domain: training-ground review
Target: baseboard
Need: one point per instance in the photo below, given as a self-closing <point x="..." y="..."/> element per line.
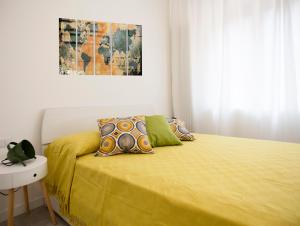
<point x="20" y="208"/>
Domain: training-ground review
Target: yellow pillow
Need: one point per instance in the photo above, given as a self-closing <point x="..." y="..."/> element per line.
<point x="78" y="143"/>
<point x="123" y="135"/>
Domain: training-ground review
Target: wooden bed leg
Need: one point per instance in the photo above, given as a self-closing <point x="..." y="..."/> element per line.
<point x="48" y="202"/>
<point x="10" y="212"/>
<point x="25" y="190"/>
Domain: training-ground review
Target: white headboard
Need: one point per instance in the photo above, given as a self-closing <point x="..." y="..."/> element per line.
<point x="63" y="121"/>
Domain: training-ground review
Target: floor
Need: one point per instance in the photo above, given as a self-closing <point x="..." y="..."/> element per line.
<point x="37" y="217"/>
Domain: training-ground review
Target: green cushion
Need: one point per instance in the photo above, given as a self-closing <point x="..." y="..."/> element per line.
<point x="159" y="131"/>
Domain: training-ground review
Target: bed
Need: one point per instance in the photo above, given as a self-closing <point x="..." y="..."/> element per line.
<point x="214" y="180"/>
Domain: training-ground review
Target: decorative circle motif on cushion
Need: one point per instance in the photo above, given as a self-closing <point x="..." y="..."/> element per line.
<point x="183" y="130"/>
<point x="170" y="120"/>
<point x="173" y="127"/>
<point x="125" y="126"/>
<point x="141" y="126"/>
<point x="107" y="129"/>
<point x="126" y="142"/>
<point x="144" y="143"/>
<point x="106" y="120"/>
<point x="108" y="144"/>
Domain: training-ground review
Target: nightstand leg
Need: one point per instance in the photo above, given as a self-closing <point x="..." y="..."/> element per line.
<point x="25" y="190"/>
<point x="47" y="200"/>
<point x="11" y="199"/>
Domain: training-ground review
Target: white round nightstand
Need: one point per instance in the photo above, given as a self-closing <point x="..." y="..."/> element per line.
<point x="17" y="175"/>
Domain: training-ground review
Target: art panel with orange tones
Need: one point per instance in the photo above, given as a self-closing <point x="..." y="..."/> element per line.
<point x="134" y="51"/>
<point x="85" y="47"/>
<point x="102" y="48"/>
<point x="67" y="46"/>
<point x="119" y="47"/>
<point x="99" y="48"/>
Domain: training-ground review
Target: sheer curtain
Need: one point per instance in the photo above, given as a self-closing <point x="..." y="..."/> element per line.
<point x="236" y="66"/>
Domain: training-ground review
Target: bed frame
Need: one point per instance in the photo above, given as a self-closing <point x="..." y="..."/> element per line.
<point x="58" y="122"/>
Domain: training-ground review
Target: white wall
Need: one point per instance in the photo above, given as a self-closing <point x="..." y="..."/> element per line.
<point x="29" y="78"/>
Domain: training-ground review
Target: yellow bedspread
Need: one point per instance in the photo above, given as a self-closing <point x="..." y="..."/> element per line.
<point x="214" y="180"/>
<point x="62" y="155"/>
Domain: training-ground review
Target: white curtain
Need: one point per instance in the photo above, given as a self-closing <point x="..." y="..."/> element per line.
<point x="236" y="67"/>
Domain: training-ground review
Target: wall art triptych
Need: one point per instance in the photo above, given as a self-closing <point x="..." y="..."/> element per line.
<point x="99" y="48"/>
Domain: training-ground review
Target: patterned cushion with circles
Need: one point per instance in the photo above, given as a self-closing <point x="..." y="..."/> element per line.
<point x="178" y="127"/>
<point x="123" y="135"/>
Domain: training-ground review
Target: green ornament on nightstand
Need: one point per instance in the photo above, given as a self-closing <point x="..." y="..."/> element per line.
<point x="19" y="152"/>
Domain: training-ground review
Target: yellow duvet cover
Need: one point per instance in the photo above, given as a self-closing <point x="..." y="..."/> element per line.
<point x="214" y="180"/>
